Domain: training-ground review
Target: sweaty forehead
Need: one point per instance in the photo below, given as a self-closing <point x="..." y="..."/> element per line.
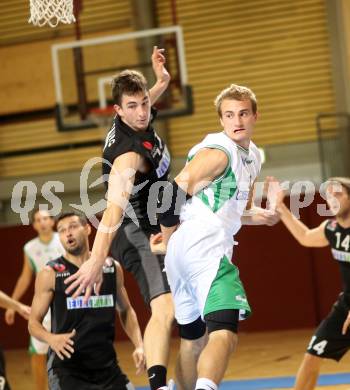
<point x="236" y="105"/>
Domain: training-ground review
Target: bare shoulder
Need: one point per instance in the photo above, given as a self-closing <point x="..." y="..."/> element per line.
<point x="46" y="277"/>
<point x="215" y="160"/>
<point x="324" y="223"/>
<point x="118" y="266"/>
<point x="213" y="153"/>
<point x="118" y="270"/>
<point x="47" y="272"/>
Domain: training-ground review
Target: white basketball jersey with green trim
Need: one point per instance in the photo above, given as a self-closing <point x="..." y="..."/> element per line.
<point x="223" y="202"/>
<point x="40" y="253"/>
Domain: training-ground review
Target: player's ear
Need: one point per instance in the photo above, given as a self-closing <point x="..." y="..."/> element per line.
<point x="88" y="229"/>
<point x="118" y="109"/>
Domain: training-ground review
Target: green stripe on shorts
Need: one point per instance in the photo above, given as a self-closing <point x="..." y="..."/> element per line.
<point x="31" y="348"/>
<point x="227" y="291"/>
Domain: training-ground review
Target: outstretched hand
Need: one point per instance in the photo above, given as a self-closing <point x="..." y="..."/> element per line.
<point x="62" y="344"/>
<point x="274" y="193"/>
<point x="86" y="280"/>
<point x="265" y="217"/>
<point x="158" y="64"/>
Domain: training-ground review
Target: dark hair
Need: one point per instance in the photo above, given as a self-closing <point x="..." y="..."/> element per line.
<point x="35" y="211"/>
<point x="129" y="82"/>
<point x="73" y="213"/>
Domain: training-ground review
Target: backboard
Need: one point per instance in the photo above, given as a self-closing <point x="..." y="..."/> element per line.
<point x="83" y="70"/>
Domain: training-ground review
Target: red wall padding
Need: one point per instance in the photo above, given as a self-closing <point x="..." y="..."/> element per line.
<point x="288" y="286"/>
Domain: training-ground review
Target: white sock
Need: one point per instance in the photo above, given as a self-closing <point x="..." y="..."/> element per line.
<point x="206" y="384"/>
<point x="130" y="386"/>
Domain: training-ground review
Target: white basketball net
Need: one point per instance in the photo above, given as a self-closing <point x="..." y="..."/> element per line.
<point x="51" y="12"/>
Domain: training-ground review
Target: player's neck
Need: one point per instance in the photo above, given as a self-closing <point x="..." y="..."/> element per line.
<point x="344" y="219"/>
<point x="78" y="260"/>
<point x="244" y="146"/>
<point x="46" y="238"/>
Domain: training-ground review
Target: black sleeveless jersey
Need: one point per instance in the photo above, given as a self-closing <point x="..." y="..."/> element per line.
<point x="122" y="139"/>
<point x="94" y="322"/>
<point x="339" y="240"/>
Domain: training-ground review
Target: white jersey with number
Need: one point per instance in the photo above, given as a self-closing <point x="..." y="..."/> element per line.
<point x="39" y="253"/>
<point x="222" y="202"/>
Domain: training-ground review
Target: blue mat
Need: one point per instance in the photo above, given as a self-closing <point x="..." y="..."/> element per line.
<point x="278" y="382"/>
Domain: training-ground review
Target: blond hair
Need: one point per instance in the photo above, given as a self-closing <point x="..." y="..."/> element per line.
<point x="235" y="92"/>
<point x="344" y="181"/>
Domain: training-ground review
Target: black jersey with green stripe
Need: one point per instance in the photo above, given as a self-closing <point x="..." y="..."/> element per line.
<point x="122" y="139"/>
<point x="94" y="322"/>
<point x="339" y="240"/>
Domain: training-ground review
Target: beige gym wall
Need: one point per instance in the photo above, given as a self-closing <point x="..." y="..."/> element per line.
<point x="278" y="48"/>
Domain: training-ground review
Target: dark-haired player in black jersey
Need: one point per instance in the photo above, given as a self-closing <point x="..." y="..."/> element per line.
<point x="332" y="338"/>
<point x="81" y="353"/>
<point x="135" y="160"/>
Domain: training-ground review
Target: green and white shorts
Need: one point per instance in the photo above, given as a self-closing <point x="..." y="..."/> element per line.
<point x="201" y="276"/>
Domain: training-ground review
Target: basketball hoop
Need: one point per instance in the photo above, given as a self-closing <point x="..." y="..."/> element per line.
<point x="103" y="117"/>
<point x="51" y="12"/>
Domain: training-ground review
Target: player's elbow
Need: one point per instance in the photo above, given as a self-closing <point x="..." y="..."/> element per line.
<point x="31" y="326"/>
<point x="305" y="241"/>
<point x="123" y="315"/>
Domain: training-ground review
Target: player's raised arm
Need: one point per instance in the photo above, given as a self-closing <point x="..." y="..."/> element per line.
<point x="162" y="75"/>
<point x="307" y="237"/>
<point x="120" y="184"/>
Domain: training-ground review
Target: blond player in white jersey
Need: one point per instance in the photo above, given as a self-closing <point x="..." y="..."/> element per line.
<point x="37" y="252"/>
<point x="212" y="192"/>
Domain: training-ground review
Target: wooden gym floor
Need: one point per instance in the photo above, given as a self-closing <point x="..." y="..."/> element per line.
<point x="259" y="355"/>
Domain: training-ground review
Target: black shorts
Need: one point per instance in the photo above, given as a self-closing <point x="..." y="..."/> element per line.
<point x="131" y="248"/>
<point x="328" y="341"/>
<point x="79" y="379"/>
<point x="4" y="385"/>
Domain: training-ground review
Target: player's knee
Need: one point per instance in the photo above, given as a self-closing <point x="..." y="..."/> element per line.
<point x="222" y="319"/>
<point x="163" y="309"/>
<point x="193" y="331"/>
<point x="312" y="362"/>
